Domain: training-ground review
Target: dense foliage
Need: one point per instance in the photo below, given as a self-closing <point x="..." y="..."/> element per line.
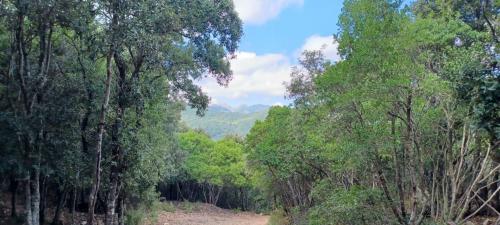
<point x="404" y="129"/>
<point x="91" y="94"/>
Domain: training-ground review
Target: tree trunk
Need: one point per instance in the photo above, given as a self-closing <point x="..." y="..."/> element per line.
<point x="121" y="212"/>
<point x="73" y="205"/>
<point x="60" y="206"/>
<point x="398" y="169"/>
<point x="35" y="196"/>
<point x="27" y="202"/>
<point x="179" y="192"/>
<point x="495" y="184"/>
<point x="13" y="191"/>
<point x="111" y="204"/>
<point x="102" y="119"/>
<point x="217" y="196"/>
<point x="43" y="200"/>
<point x="387" y="194"/>
<point x="117" y="151"/>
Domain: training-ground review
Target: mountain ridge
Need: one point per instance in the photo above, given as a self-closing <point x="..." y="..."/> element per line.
<point x="220" y="121"/>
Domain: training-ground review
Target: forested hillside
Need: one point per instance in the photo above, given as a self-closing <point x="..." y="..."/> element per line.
<point x="219" y="121"/>
<point x="402" y="128"/>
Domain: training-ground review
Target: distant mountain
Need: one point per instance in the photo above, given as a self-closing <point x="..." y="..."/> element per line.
<point x="251" y="108"/>
<point x="220" y="121"/>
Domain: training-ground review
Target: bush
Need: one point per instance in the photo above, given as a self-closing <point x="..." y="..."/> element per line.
<point x="147" y="213"/>
<point x="278" y="217"/>
<point x="134" y="217"/>
<point x="355" y="206"/>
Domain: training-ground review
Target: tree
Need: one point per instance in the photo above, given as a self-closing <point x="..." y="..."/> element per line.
<point x="401" y="126"/>
<point x="77" y="82"/>
<point x="194" y="41"/>
<point x="30" y="75"/>
<point x="219" y="166"/>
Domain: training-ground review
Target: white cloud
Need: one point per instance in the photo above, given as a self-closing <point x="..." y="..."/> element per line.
<point x="326" y="44"/>
<point x="253" y="75"/>
<point x="261" y="11"/>
<point x="261" y="77"/>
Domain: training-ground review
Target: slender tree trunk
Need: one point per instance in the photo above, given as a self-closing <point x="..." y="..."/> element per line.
<point x="117" y="151"/>
<point x="385" y="188"/>
<point x="204" y="193"/>
<point x="60" y="206"/>
<point x="494" y="180"/>
<point x="73" y="205"/>
<point x="13" y="191"/>
<point x="35" y="196"/>
<point x="121" y="212"/>
<point x="179" y="192"/>
<point x="21" y="61"/>
<point x="43" y="201"/>
<point x="242" y="199"/>
<point x="27" y="202"/>
<point x="219" y="191"/>
<point x="398" y="168"/>
<point x="497" y="205"/>
<point x="111" y="204"/>
<point x="100" y="133"/>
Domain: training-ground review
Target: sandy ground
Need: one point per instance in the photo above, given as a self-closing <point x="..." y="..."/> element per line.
<point x="210" y="215"/>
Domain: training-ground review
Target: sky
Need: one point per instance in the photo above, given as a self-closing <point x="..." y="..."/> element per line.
<point x="275" y="33"/>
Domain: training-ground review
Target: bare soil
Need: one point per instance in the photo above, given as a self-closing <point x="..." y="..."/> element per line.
<point x="205" y="214"/>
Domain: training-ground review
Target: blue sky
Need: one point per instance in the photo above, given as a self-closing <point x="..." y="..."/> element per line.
<point x="275" y="32"/>
<point x="292" y="27"/>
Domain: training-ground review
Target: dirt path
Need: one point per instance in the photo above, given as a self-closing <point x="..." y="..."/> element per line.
<point x="210" y="215"/>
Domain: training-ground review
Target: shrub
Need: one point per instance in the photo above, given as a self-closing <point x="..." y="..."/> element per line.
<point x="147" y="213"/>
<point x="278" y="217"/>
<point x="166" y="207"/>
<point x="134" y="217"/>
<point x="354" y="206"/>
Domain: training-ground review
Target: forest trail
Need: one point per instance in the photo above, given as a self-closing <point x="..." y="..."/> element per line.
<point x="204" y="214"/>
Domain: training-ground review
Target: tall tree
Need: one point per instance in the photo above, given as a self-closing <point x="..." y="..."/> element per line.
<point x="178" y="39"/>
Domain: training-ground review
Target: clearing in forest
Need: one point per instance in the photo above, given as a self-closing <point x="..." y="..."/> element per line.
<point x="205" y="214"/>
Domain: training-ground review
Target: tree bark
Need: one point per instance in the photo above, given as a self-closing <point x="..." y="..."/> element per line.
<point x="27" y="201"/>
<point x="43" y="200"/>
<point x="60" y="206"/>
<point x="398" y="168"/>
<point x="73" y="205"/>
<point x="100" y="133"/>
<point x="13" y="191"/>
<point x="35" y="195"/>
<point x="117" y="151"/>
<point x="121" y="212"/>
<point x="111" y="204"/>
